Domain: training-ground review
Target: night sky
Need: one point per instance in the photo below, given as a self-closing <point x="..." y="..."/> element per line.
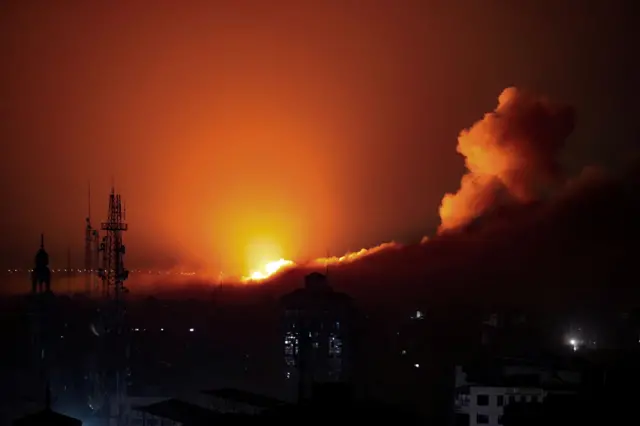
<point x="240" y="132"/>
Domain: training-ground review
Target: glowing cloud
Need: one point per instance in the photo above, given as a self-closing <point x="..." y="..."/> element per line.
<point x="510" y="155"/>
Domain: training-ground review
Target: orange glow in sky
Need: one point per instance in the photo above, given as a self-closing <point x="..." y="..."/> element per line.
<point x="242" y="134"/>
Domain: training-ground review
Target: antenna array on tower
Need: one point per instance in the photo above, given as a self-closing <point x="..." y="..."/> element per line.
<point x="90" y="250"/>
<point x="111" y="353"/>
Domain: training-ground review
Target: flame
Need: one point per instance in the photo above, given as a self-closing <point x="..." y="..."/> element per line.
<point x="352" y="256"/>
<point x="275" y="267"/>
<point x="268" y="270"/>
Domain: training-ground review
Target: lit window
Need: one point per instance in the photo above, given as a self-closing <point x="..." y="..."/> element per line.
<point x="335" y="345"/>
<point x="290" y="344"/>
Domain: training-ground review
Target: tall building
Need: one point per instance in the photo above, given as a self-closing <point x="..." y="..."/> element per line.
<point x="41" y="304"/>
<point x="317" y="341"/>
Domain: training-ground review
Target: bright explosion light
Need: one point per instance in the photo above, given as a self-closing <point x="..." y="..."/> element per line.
<point x="269" y="269"/>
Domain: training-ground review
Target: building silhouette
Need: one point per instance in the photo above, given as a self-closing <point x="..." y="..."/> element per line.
<point x="41" y="313"/>
<point x="317" y="335"/>
<point x="41" y="274"/>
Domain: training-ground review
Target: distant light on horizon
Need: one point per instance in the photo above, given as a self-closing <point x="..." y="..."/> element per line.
<point x="574" y="343"/>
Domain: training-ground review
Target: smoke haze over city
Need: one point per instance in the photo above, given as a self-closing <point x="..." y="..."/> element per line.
<point x="409" y="211"/>
<point x="235" y="144"/>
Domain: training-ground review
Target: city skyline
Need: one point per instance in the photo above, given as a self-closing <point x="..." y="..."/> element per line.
<point x="412" y="211"/>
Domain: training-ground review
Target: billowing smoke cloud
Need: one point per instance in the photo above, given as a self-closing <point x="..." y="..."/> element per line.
<point x="511" y="156"/>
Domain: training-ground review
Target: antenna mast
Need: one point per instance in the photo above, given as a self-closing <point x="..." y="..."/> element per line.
<point x="114" y="274"/>
<point x="90" y="247"/>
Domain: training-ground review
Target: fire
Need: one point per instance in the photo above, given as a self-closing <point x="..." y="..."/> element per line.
<point x="511" y="156"/>
<point x="352" y="256"/>
<point x="272" y="268"/>
<point x="268" y="270"/>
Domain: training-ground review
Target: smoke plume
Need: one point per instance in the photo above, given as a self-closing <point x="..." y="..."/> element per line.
<point x="510" y="156"/>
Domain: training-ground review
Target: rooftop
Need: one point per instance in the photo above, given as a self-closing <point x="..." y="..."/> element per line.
<point x="245" y="397"/>
<point x="181" y="412"/>
<point x="316" y="291"/>
<point x="47" y="417"/>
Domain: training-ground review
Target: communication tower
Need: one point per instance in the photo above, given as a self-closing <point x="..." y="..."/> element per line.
<point x="115" y="348"/>
<point x="91" y="254"/>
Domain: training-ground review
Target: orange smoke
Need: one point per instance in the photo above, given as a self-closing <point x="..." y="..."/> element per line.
<point x="510" y="156"/>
